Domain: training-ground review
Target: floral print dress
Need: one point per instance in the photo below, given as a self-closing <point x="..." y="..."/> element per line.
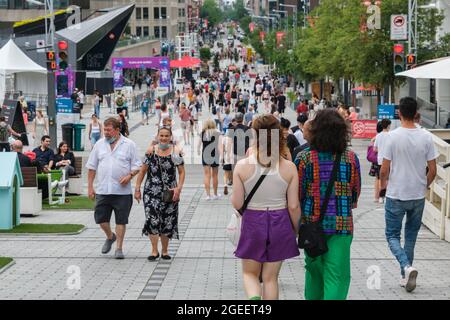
<point x="161" y="217"/>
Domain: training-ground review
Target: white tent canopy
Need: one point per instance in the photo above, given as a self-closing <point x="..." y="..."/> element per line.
<point x="435" y="70"/>
<point x="13" y="60"/>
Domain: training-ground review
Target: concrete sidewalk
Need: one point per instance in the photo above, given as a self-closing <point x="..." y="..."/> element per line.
<point x="203" y="264"/>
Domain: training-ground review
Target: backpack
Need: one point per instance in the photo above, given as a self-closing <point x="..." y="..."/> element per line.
<point x="214" y="110"/>
<point x="119" y="101"/>
<point x="4" y="132"/>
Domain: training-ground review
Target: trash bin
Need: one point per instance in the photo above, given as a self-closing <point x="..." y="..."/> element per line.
<point x="67" y="134"/>
<point x="79" y="134"/>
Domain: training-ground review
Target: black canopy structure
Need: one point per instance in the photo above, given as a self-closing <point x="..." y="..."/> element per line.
<point x="91" y="42"/>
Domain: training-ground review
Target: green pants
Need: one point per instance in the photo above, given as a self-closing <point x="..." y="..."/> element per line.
<point x="328" y="276"/>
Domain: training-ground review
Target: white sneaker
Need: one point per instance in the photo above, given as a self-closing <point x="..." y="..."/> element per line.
<point x="208" y="198"/>
<point x="216" y="197"/>
<point x="402" y="282"/>
<point x="410" y="276"/>
<point x="381" y="200"/>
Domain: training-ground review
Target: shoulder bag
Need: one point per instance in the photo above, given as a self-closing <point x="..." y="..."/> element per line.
<point x="310" y="235"/>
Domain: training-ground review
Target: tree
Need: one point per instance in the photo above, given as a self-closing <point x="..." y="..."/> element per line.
<point x="212" y="12"/>
<point x="205" y="54"/>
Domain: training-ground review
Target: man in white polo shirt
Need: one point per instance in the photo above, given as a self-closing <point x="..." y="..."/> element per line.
<point x="408" y="169"/>
<point x="114" y="162"/>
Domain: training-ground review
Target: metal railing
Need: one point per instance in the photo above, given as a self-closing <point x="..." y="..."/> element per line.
<point x="130" y="41"/>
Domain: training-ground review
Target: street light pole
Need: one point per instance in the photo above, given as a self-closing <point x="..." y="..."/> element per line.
<point x="285" y="15"/>
<point x="294" y="10"/>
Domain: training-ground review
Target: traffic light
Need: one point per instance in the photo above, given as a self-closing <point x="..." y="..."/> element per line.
<point x="63" y="55"/>
<point x="399" y="58"/>
<point x="410" y="61"/>
<point x="51" y="60"/>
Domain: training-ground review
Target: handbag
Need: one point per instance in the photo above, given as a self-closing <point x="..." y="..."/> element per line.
<point x="310" y="235"/>
<point x="167" y="195"/>
<point x="233" y="230"/>
<point x="372" y="155"/>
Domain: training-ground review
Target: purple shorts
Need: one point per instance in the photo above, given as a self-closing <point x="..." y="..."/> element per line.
<point x="267" y="236"/>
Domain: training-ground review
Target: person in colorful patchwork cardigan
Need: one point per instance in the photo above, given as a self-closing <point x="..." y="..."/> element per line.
<point x="328" y="276"/>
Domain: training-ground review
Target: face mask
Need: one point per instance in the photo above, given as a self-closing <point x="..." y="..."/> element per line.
<point x="111" y="140"/>
<point x="164" y="146"/>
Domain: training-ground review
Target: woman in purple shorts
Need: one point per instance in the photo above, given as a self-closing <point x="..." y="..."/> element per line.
<point x="269" y="224"/>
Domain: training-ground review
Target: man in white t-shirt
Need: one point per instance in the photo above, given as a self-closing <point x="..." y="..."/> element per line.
<point x="408" y="169"/>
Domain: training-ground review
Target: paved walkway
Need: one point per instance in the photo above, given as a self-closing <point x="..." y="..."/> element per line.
<point x="203" y="266"/>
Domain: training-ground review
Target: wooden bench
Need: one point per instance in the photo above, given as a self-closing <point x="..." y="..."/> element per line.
<point x="76" y="182"/>
<point x="30" y="195"/>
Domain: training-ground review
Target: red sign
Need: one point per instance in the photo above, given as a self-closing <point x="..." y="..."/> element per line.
<point x="364" y="129"/>
<point x="262" y="35"/>
<point x="280" y="36"/>
<point x="206" y="23"/>
<point x="251" y="26"/>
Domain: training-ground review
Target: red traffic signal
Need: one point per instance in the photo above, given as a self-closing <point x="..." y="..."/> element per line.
<point x="411" y="59"/>
<point x="62" y="45"/>
<point x="399" y="48"/>
<point x="51" y="65"/>
<point x="50" y="55"/>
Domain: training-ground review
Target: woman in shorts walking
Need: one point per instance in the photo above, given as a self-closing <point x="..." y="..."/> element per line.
<point x="270" y="222"/>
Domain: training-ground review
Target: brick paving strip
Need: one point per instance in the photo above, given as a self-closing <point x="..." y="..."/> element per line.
<point x="158" y="275"/>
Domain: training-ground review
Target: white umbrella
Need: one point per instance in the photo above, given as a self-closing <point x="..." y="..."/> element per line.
<point x="435" y="70"/>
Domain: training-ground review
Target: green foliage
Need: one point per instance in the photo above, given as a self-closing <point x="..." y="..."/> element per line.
<point x="337" y="48"/>
<point x="212" y="12"/>
<point x="205" y="54"/>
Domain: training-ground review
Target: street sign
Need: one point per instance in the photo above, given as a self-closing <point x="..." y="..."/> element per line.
<point x="40" y="45"/>
<point x="64" y="105"/>
<point x="399" y="27"/>
<point x="387" y="111"/>
<point x="364" y="129"/>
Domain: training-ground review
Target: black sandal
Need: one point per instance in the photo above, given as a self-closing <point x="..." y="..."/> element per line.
<point x="153" y="258"/>
<point x="166" y="257"/>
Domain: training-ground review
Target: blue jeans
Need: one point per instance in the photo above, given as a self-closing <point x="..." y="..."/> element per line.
<point x="395" y="212"/>
<point x="95" y="137"/>
<point x="97" y="110"/>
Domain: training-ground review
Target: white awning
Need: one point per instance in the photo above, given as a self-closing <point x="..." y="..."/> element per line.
<point x="435" y="70"/>
<point x="13" y="60"/>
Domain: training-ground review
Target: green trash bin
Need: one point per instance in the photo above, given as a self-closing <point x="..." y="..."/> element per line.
<point x="79" y="136"/>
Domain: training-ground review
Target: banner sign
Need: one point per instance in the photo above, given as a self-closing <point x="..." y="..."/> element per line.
<point x="262" y="35"/>
<point x="159" y="63"/>
<point x="280" y="36"/>
<point x="251" y="26"/>
<point x="364" y="129"/>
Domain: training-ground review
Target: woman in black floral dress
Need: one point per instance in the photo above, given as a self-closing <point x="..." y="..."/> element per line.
<point x="161" y="163"/>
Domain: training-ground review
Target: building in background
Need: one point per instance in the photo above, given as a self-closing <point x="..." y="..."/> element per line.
<point x="160" y="19"/>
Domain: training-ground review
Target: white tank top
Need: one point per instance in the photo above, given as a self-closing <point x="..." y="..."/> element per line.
<point x="95" y="128"/>
<point x="271" y="194"/>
